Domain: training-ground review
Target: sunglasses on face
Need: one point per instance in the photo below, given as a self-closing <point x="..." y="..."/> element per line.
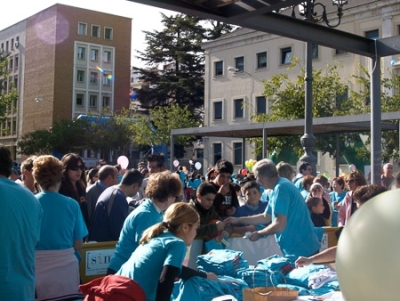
<point x="76" y="168"/>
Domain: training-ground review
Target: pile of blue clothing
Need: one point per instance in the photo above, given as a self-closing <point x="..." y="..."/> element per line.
<point x="267" y="272"/>
<point x="201" y="289"/>
<point x="222" y="262"/>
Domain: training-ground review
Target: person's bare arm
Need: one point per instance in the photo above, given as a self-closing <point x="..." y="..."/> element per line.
<point x="78" y="245"/>
<point x="326" y="256"/>
<point x="278" y="225"/>
<point x="259" y="219"/>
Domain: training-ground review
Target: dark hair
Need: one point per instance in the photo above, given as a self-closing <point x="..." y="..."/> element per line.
<point x="339" y="180"/>
<point x="69" y="161"/>
<point x="209" y="173"/>
<point x="5" y="161"/>
<point x="303" y="166"/>
<point x="91" y="174"/>
<point x="307" y="180"/>
<point x="132" y="176"/>
<point x="224" y="166"/>
<point x="158" y="157"/>
<point x="105" y="171"/>
<point x="312" y="202"/>
<point x="118" y="167"/>
<point x="366" y="192"/>
<point x="206" y="188"/>
<point x="251" y="184"/>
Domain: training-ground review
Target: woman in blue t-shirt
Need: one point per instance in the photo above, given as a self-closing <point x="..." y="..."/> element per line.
<point x="158" y="260"/>
<point x="337" y="197"/>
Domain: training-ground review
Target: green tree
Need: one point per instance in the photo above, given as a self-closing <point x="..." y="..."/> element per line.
<point x="287" y="103"/>
<point x="174" y="62"/>
<point x="65" y="136"/>
<point x="156" y="129"/>
<point x="390" y="102"/>
<point x="8" y="99"/>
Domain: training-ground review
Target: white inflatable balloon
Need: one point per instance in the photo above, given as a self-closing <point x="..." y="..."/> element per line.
<point x="368" y="253"/>
<point x="197" y="165"/>
<point x="123" y="161"/>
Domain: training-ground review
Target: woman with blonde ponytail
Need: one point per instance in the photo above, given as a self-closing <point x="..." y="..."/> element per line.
<point x="157" y="262"/>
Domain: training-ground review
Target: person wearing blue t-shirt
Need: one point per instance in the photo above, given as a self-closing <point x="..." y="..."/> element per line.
<point x="286" y="212"/>
<point x="62" y="231"/>
<point x="20" y="220"/>
<point x="337" y="197"/>
<point x="252" y="206"/>
<point x="305" y="169"/>
<point x="161" y="190"/>
<point x="157" y="261"/>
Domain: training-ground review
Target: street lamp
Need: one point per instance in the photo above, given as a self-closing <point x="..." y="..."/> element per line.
<point x="307" y="11"/>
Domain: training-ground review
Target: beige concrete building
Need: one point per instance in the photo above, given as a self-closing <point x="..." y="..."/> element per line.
<point x="237" y="63"/>
<point x="65" y="61"/>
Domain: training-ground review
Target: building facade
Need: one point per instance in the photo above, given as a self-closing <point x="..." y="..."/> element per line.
<point x="65" y="61"/>
<point x="237" y="63"/>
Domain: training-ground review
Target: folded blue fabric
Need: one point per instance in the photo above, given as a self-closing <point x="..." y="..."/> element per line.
<point x="201" y="289"/>
<point x="222" y="262"/>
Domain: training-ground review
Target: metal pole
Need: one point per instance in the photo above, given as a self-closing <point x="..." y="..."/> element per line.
<point x="376" y="135"/>
<point x="264" y="146"/>
<point x="337" y="154"/>
<point x="308" y="139"/>
<point x="171" y="152"/>
<point x="243" y="152"/>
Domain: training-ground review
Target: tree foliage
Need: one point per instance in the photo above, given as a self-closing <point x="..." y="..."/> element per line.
<point x="9" y="99"/>
<point x="174" y="62"/>
<point x="329" y="99"/>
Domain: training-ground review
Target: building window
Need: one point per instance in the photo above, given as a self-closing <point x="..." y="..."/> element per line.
<point x="81" y="53"/>
<point x="79" y="99"/>
<point x="93" y="101"/>
<point x="314" y="51"/>
<point x="238" y="107"/>
<point x="93" y="77"/>
<point x="80" y="76"/>
<point x="6" y="46"/>
<point x="341" y="98"/>
<point x="261" y="105"/>
<point x="106" y="101"/>
<point x="218" y="110"/>
<point x="12" y="44"/>
<point x="237" y="153"/>
<point x="219" y="68"/>
<point x="372" y="34"/>
<point x="94" y="54"/>
<point x="286" y="55"/>
<point x="82" y="29"/>
<point x="107" y="56"/>
<point x="16" y="82"/>
<point x="217" y="152"/>
<point x="95" y="31"/>
<point x="262" y="59"/>
<point x="16" y="61"/>
<point x="10" y="64"/>
<point x="339" y="51"/>
<point x="239" y="63"/>
<point x="108" y="33"/>
<point x="106" y="80"/>
<point x="199" y="153"/>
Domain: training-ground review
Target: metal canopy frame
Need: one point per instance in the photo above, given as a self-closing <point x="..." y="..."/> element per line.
<point x="261" y="15"/>
<point x="324" y="125"/>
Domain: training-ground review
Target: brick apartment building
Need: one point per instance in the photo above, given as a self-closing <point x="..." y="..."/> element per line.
<point x="65" y="61"/>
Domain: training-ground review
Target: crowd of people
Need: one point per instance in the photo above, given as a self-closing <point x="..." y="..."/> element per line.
<point x="52" y="207"/>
